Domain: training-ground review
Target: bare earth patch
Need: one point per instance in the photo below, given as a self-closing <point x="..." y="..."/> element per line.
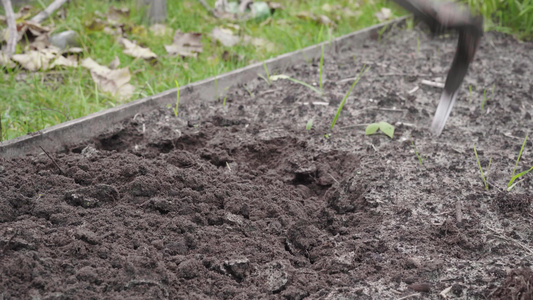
<point x="242" y="201"/>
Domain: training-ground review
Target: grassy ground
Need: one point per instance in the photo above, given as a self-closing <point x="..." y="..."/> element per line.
<point x="33" y="101"/>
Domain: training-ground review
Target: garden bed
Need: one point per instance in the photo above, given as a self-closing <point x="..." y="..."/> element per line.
<point x="242" y="201"/>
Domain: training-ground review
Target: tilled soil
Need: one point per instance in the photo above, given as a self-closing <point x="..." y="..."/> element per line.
<point x="243" y="202"/>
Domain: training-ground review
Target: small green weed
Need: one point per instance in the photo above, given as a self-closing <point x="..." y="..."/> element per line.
<point x="510" y="185"/>
<point x="321" y="67"/>
<point x="177" y="98"/>
<point x="416" y="152"/>
<point x="481" y="169"/>
<point x="341" y="105"/>
<point x="384" y="127"/>
<point x="309" y="124"/>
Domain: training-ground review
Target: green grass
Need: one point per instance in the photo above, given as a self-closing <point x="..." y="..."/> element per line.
<point x="509" y="16"/>
<point x="33" y="101"/>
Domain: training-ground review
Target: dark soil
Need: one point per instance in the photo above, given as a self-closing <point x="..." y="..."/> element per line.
<point x="242" y="202"/>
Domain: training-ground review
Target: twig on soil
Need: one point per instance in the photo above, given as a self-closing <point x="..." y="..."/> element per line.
<point x="413" y="90"/>
<point x="409" y="296"/>
<point x="499" y="235"/>
<point x="458" y="212"/>
<point x="404" y="74"/>
<point x="53" y="160"/>
<point x="333" y="178"/>
<point x="432" y="83"/>
<point x="43" y="15"/>
<point x="12" y="34"/>
<point x="509" y="135"/>
<point x="316" y="103"/>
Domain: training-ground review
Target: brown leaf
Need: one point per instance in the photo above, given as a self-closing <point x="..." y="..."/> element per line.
<point x="31" y="30"/>
<point x="384" y="14"/>
<point x="115" y="82"/>
<point x="225" y="36"/>
<point x="275" y="6"/>
<point x="132" y="49"/>
<point x="186" y="44"/>
<point x="35" y="60"/>
<point x="62" y="61"/>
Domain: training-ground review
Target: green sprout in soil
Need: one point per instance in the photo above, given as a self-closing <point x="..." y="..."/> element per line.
<point x="225" y="96"/>
<point x="177" y="98"/>
<point x="267" y="78"/>
<point x="511" y="183"/>
<point x="384" y="127"/>
<point x="410" y="23"/>
<point x="417" y="154"/>
<point x="363" y="70"/>
<point x="469" y="93"/>
<point x="481" y="169"/>
<point x="321" y="64"/>
<point x="381" y="32"/>
<point x="248" y="90"/>
<point x="485" y="97"/>
<point x="309" y="124"/>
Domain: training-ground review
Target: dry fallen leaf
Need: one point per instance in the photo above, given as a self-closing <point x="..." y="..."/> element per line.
<point x="90" y="64"/>
<point x="225" y="36"/>
<point x="114" y="63"/>
<point x="384" y="14"/>
<point x="326" y="21"/>
<point x="35" y="60"/>
<point x="115" y="82"/>
<point x="62" y="61"/>
<point x="160" y="30"/>
<point x="185" y="44"/>
<point x="31" y="30"/>
<point x="132" y="49"/>
<point x="275" y="6"/>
